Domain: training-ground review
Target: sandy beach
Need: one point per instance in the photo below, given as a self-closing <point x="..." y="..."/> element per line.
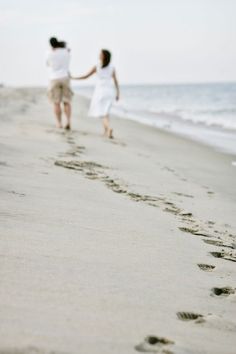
<point x="112" y="246"/>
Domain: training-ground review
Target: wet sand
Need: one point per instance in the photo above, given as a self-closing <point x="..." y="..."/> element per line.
<point x="112" y="246"/>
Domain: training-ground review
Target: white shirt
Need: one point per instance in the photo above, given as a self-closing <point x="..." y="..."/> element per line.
<point x="58" y="61"/>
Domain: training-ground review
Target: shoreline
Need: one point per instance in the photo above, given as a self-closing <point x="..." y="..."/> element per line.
<point x="188" y="123"/>
<point x="211" y="135"/>
<point x="108" y="242"/>
<point x="229" y="151"/>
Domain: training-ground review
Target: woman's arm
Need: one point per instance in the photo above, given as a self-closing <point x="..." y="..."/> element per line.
<point x="116" y="85"/>
<point x="90" y="73"/>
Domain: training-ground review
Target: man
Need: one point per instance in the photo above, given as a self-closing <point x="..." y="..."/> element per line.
<point x="59" y="92"/>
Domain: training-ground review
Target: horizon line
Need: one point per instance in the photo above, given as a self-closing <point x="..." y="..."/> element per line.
<point x="174" y="83"/>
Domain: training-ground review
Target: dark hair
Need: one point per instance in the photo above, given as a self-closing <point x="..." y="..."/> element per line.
<point x="62" y="44"/>
<point x="56" y="44"/>
<point x="106" y="57"/>
<point x="53" y="41"/>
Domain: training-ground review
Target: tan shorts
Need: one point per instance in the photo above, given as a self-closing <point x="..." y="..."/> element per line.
<point x="60" y="91"/>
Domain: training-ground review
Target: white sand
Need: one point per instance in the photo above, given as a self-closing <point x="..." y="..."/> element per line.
<point x="92" y="259"/>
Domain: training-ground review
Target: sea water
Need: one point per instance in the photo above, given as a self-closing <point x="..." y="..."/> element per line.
<point x="203" y="112"/>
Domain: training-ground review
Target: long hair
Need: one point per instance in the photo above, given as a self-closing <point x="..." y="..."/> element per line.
<point x="106" y="58"/>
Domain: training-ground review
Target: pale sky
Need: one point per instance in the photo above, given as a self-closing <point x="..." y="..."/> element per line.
<point x="152" y="41"/>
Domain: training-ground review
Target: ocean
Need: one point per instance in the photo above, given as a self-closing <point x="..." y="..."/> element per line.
<point x="202" y="112"/>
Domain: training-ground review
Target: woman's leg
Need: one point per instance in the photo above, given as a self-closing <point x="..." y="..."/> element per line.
<point x="58" y="113"/>
<point x="107" y="129"/>
<point x="105" y="122"/>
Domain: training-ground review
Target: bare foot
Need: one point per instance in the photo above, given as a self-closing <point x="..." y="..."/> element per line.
<point x="67" y="127"/>
<point x="110" y="134"/>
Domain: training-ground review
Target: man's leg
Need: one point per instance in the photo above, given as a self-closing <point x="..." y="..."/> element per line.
<point x="67" y="110"/>
<point x="58" y="113"/>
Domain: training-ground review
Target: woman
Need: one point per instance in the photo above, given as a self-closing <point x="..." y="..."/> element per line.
<point x="106" y="90"/>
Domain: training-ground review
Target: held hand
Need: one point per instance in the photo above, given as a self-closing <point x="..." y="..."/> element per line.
<point x="72" y="77"/>
<point x="75" y="77"/>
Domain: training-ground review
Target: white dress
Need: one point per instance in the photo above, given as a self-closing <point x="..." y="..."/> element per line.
<point x="104" y="93"/>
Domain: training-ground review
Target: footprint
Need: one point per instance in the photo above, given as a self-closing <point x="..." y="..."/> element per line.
<point x="225" y="291"/>
<point x="218" y="254"/>
<point x="174" y="210"/>
<point x="194" y="232"/>
<point x="119" y="190"/>
<point x="91" y="164"/>
<point x="189" y="316"/>
<point x="72" y="165"/>
<point x="80" y="148"/>
<point x="17" y="193"/>
<point x="224" y="255"/>
<point x="217" y="243"/>
<point x="143" y="198"/>
<point x="168" y="169"/>
<point x="206" y="267"/>
<point x="91" y="175"/>
<point x="69" y="153"/>
<point x="186" y="214"/>
<point x="3" y="163"/>
<point x="154" y="344"/>
<point x="169" y="203"/>
<point x="114" y="186"/>
<point x="208" y="321"/>
<point x="75" y="151"/>
<point x="70" y="140"/>
<point x="183" y="195"/>
<point x="149" y="198"/>
<point x="78" y="165"/>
